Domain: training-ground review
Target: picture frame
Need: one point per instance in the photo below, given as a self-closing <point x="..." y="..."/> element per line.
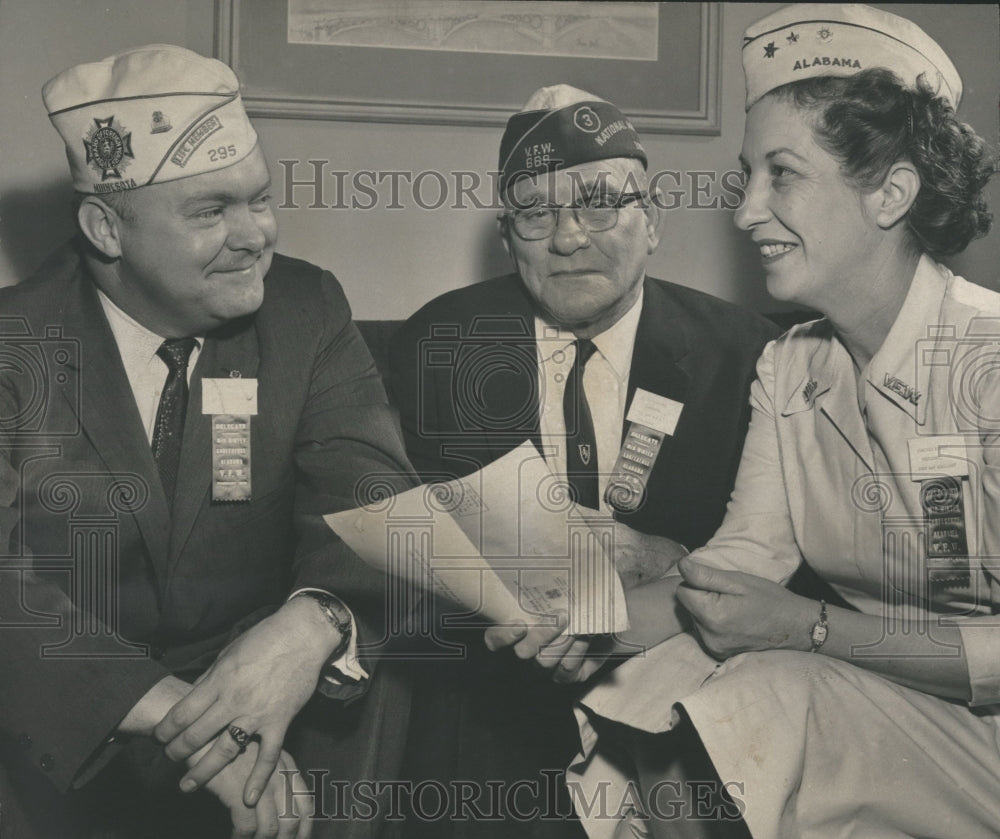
<point x="678" y="93"/>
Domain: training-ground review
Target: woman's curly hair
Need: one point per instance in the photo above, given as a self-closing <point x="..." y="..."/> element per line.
<point x="869" y="121"/>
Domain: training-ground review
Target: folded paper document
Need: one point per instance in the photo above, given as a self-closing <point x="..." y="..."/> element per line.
<point x="506" y="542"/>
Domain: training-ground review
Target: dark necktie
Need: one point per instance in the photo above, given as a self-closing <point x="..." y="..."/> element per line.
<point x="581" y="444"/>
<point x="169" y="428"/>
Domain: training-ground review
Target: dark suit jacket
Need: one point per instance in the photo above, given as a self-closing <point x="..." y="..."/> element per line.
<point x="464" y="376"/>
<point x="123" y="590"/>
<point x="465" y="380"/>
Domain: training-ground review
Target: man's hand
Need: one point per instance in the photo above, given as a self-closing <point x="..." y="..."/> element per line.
<point x="526" y="640"/>
<point x="568" y="658"/>
<point x="258" y="683"/>
<point x="575" y="658"/>
<point x="284" y="808"/>
<point x="641" y="558"/>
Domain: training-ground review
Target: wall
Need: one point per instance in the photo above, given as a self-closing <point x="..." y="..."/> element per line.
<point x="393" y="260"/>
<point x="38" y="38"/>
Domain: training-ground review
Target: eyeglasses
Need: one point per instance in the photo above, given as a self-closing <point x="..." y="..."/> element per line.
<point x="541" y="220"/>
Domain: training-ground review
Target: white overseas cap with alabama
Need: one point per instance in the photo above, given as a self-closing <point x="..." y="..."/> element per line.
<point x="148" y="115"/>
<point x="827" y="39"/>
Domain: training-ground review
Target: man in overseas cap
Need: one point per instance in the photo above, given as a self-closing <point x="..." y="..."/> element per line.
<point x="187" y="405"/>
<point x="579" y="352"/>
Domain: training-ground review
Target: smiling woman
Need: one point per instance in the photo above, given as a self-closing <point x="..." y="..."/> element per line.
<point x="813" y="227"/>
<point x="868" y="122"/>
<point x="872" y="458"/>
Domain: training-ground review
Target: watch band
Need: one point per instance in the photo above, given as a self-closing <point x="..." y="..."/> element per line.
<point x="337" y="614"/>
<point x="820" y="629"/>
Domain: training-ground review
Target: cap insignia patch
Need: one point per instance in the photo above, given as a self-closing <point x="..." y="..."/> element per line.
<point x="109" y="147"/>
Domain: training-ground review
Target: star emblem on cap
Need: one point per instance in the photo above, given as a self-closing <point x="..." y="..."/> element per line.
<point x="770" y="50"/>
<point x="109" y="147"/>
<point x="824" y="34"/>
<point x="792" y="38"/>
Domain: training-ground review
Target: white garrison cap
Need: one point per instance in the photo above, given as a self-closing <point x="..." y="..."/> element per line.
<point x="148" y="115"/>
<point x="828" y="39"/>
<point x="557" y="96"/>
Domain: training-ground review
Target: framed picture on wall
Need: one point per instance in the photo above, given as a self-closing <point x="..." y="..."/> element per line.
<point x="471" y="62"/>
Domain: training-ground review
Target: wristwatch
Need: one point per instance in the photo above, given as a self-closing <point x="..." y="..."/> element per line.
<point x="820" y="629"/>
<point x="336" y="613"/>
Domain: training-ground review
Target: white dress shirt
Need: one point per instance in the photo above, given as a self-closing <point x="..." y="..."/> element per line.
<point x="146" y="371"/>
<point x="605" y="384"/>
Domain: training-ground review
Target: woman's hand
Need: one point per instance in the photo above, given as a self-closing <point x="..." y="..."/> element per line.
<point x="737" y="613"/>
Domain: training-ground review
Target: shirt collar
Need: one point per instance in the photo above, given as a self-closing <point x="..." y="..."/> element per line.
<point x="823" y="367"/>
<point x="135" y="342"/>
<point x="133" y="339"/>
<point x="615" y="343"/>
<point x="895" y="370"/>
<point x="898" y="370"/>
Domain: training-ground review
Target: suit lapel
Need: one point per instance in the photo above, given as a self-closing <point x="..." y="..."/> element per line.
<point x="105" y="406"/>
<point x="231" y="349"/>
<point x="514" y="397"/>
<point x="659" y="363"/>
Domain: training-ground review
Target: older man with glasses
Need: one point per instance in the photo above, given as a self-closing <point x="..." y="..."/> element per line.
<point x="567" y="352"/>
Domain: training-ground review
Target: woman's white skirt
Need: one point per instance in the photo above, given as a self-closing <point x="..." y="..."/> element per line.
<point x="808" y="747"/>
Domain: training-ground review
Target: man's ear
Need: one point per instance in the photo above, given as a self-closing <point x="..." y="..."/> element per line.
<point x="654" y="219"/>
<point x="101" y="225"/>
<point x="893" y="199"/>
<point x="503" y="228"/>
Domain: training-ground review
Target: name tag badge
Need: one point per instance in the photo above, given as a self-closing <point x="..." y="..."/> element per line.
<point x="231" y="402"/>
<point x="655" y="412"/>
<point x="650" y="418"/>
<point x="229" y="396"/>
<point x="941" y="454"/>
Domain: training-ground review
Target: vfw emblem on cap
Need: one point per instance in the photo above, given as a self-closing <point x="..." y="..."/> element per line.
<point x="586" y="119"/>
<point x="109" y="147"/>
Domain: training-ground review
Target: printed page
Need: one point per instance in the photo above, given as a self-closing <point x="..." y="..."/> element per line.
<point x="506" y="542"/>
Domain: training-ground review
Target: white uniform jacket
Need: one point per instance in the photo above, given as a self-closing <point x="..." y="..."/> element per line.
<point x="827" y="477"/>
